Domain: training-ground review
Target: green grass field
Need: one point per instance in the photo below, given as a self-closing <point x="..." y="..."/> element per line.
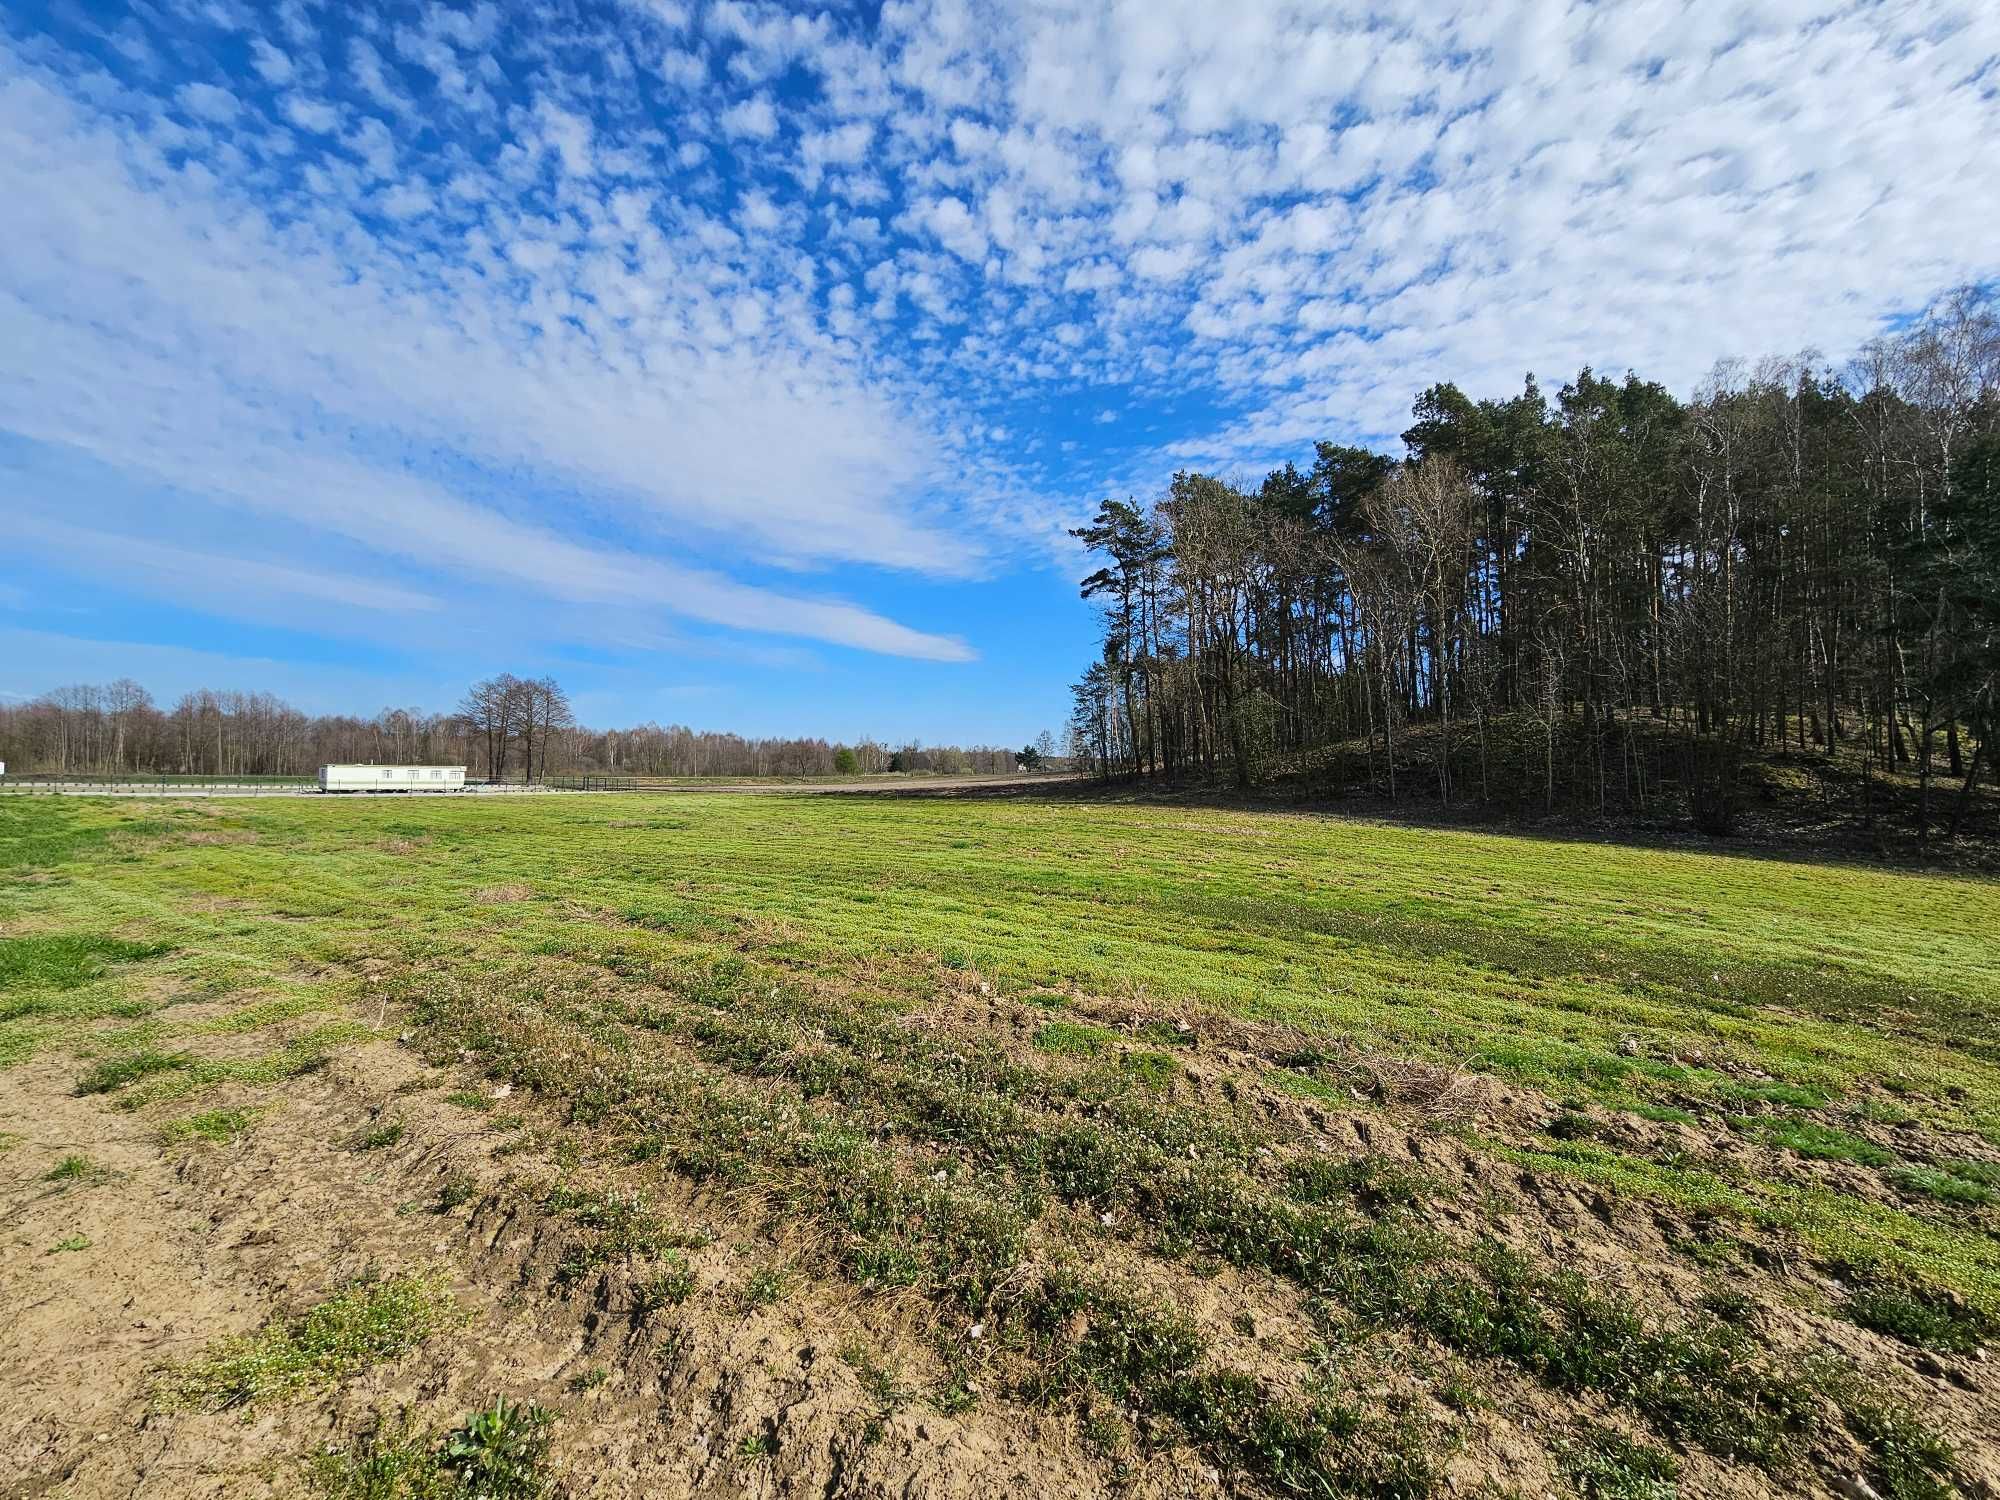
<point x="1091" y="1032"/>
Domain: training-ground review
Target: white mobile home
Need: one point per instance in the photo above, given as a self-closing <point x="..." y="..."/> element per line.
<point x="392" y="778"/>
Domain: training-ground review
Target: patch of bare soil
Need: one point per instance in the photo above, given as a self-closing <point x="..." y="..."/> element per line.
<point x="190" y="1242"/>
<point x="822" y="1391"/>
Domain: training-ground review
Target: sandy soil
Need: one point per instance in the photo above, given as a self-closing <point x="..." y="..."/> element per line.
<point x="190" y="1242"/>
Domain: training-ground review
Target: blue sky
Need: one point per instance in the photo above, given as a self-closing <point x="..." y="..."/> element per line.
<point x="744" y="365"/>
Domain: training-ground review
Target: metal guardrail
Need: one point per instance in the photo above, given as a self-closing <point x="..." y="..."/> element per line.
<point x="170" y="778"/>
<point x="133" y="785"/>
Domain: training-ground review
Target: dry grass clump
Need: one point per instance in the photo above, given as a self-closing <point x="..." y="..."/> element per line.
<point x="1439" y="1094"/>
<point x="502" y="895"/>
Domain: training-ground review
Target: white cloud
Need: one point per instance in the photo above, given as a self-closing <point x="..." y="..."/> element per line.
<point x="210" y="349"/>
<point x="760" y="214"/>
<point x="271" y="64"/>
<point x="195" y="576"/>
<point x="406" y="201"/>
<point x="311" y="114"/>
<point x="841" y="146"/>
<point x="954" y="226"/>
<point x="569" y="136"/>
<point x="207" y="102"/>
<point x="754" y="118"/>
<point x="1163" y="262"/>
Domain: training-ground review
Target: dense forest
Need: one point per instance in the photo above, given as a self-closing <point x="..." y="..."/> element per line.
<point x="506" y="728"/>
<point x="1601" y="600"/>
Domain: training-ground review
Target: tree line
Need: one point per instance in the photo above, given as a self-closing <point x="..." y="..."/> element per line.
<point x="506" y="728"/>
<point x="1604" y="598"/>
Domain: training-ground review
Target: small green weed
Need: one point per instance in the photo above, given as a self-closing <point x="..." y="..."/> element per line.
<point x="1073" y="1038"/>
<point x="497" y="1454"/>
<point x="381" y="1137"/>
<point x="670" y="1286"/>
<point x="69" y="1243"/>
<point x="70" y="1169"/>
<point x="128" y="1068"/>
<point x="65" y="961"/>
<point x="391" y="1463"/>
<point x="215" y="1126"/>
<point x="1945" y="1186"/>
<point x="1663" y="1114"/>
<point x="1787" y="1095"/>
<point x="884" y="1383"/>
<point x="1096" y="1341"/>
<point x="1370" y="1181"/>
<point x="1152" y="1070"/>
<point x="616" y="1225"/>
<point x="1906" y="1460"/>
<point x="1606" y="1465"/>
<point x="367" y="1321"/>
<point x="501" y="1452"/>
<point x="1820" y="1142"/>
<point x="767" y="1284"/>
<point x="1919" y="1316"/>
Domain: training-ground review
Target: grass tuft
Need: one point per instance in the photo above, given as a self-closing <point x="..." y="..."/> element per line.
<point x="380" y="1137"/>
<point x="64" y="961"/>
<point x="766" y="1285"/>
<point x="1947" y="1185"/>
<point x="1820" y="1142"/>
<point x="1607" y="1465"/>
<point x="128" y="1068"/>
<point x="214" y="1126"/>
<point x="367" y="1321"/>
<point x="669" y="1286"/>
<point x="1073" y="1038"/>
<point x="1925" y="1317"/>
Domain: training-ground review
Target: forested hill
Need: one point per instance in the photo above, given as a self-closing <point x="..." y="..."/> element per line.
<point x="1791" y="556"/>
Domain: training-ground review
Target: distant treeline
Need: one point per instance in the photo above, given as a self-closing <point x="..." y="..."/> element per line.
<point x="1794" y="556"/>
<point x="507" y="728"/>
